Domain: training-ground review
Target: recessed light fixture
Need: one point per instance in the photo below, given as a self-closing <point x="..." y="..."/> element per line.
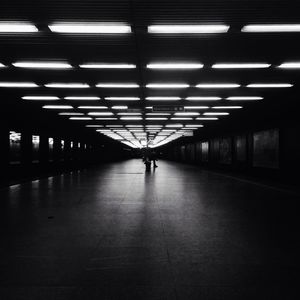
<point x="202" y="98"/>
<point x="42" y="65"/>
<point x="18" y="84"/>
<point x="100" y="113"/>
<point x="167" y="85"/>
<point x="196" y="107"/>
<point x="80" y="118"/>
<point x="162" y="98"/>
<point x="129" y="114"/>
<point x="216" y="114"/>
<point x="180" y="118"/>
<point x="117" y="85"/>
<point x="193" y="125"/>
<point x="71" y="114"/>
<point x="92" y="107"/>
<point x="206" y="119"/>
<point x="104" y="119"/>
<point x="131" y="118"/>
<point x="244" y="98"/>
<point x="175" y="66"/>
<point x="119" y="107"/>
<point x="95" y="126"/>
<point x="17" y="27"/>
<point x="89" y="28"/>
<point x="181" y="29"/>
<point x="58" y="107"/>
<point x="241" y="66"/>
<point x="290" y="65"/>
<point x="82" y="98"/>
<point x="122" y="98"/>
<point x="269" y="85"/>
<point x="157" y="114"/>
<point x="68" y="85"/>
<point x="40" y="98"/>
<point x="217" y="85"/>
<point x="156" y="119"/>
<point x="227" y="107"/>
<point x="186" y="114"/>
<point x="272" y="28"/>
<point x="107" y="66"/>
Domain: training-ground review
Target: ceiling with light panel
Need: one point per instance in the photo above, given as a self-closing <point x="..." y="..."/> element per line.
<point x="146" y="73"/>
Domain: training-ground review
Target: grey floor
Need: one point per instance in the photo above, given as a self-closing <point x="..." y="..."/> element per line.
<point x="119" y="233"/>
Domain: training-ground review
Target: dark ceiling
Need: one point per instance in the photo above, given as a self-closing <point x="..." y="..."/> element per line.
<point x="141" y="48"/>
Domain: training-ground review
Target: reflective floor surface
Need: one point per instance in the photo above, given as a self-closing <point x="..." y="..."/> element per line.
<point x="177" y="232"/>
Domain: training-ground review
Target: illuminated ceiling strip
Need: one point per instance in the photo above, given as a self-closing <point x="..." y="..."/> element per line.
<point x="40" y="98"/>
<point x="90" y="28"/>
<point x="18" y="84"/>
<point x="218" y="85"/>
<point x="58" y="107"/>
<point x="269" y="85"/>
<point x="67" y="85"/>
<point x="117" y="85"/>
<point x="269" y="28"/>
<point x="174" y="66"/>
<point x="107" y="66"/>
<point x="181" y="29"/>
<point x="290" y="65"/>
<point x="122" y="98"/>
<point x="17" y="27"/>
<point x="42" y="65"/>
<point x="241" y="66"/>
<point x="244" y="98"/>
<point x="82" y="98"/>
<point x="92" y="107"/>
<point x="167" y="85"/>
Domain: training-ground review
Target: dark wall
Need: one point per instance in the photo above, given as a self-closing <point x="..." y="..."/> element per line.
<point x="269" y="151"/>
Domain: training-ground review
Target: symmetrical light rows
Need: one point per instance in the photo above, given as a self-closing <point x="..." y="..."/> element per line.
<point x="63" y="65"/>
<point x="120" y="28"/>
<point x="169" y="85"/>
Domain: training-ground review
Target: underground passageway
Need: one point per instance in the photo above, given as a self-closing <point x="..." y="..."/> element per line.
<point x="118" y="232"/>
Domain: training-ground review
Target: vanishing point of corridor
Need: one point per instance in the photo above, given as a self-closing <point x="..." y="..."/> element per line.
<point x="177" y="232"/>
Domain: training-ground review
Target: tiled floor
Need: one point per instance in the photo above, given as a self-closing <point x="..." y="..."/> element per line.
<point x="175" y="233"/>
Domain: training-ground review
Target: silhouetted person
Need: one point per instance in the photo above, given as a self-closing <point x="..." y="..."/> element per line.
<point x="153" y="158"/>
<point x="147" y="162"/>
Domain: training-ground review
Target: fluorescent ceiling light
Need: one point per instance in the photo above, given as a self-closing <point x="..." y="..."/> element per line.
<point x="167" y="85"/>
<point x="2" y="65"/>
<point x="157" y="114"/>
<point x="272" y="28"/>
<point x="186" y="114"/>
<point x="196" y="107"/>
<point x="89" y="28"/>
<point x="119" y="107"/>
<point x="14" y="27"/>
<point x="100" y="113"/>
<point x="216" y="113"/>
<point x="188" y="29"/>
<point x="40" y="98"/>
<point x="193" y="125"/>
<point x="18" y="84"/>
<point x="217" y="85"/>
<point x="71" y="114"/>
<point x="42" y="65"/>
<point x="155" y="119"/>
<point x="227" y="107"/>
<point x="80" y="118"/>
<point x="181" y="118"/>
<point x="67" y="85"/>
<point x="107" y="66"/>
<point x="134" y="125"/>
<point x="174" y="66"/>
<point x="82" y="98"/>
<point x="200" y="98"/>
<point x="207" y="119"/>
<point x="269" y="85"/>
<point x="244" y="98"/>
<point x="94" y="126"/>
<point x="117" y="85"/>
<point x="162" y="98"/>
<point x="103" y="119"/>
<point x="131" y="118"/>
<point x="241" y="66"/>
<point x="129" y="114"/>
<point x="122" y="98"/>
<point x="173" y="125"/>
<point x="58" y="106"/>
<point x="92" y="107"/>
<point x="290" y="65"/>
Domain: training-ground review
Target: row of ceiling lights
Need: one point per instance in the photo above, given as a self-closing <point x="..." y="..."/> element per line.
<point x="117" y="28"/>
<point x="60" y="65"/>
<point x="6" y="84"/>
